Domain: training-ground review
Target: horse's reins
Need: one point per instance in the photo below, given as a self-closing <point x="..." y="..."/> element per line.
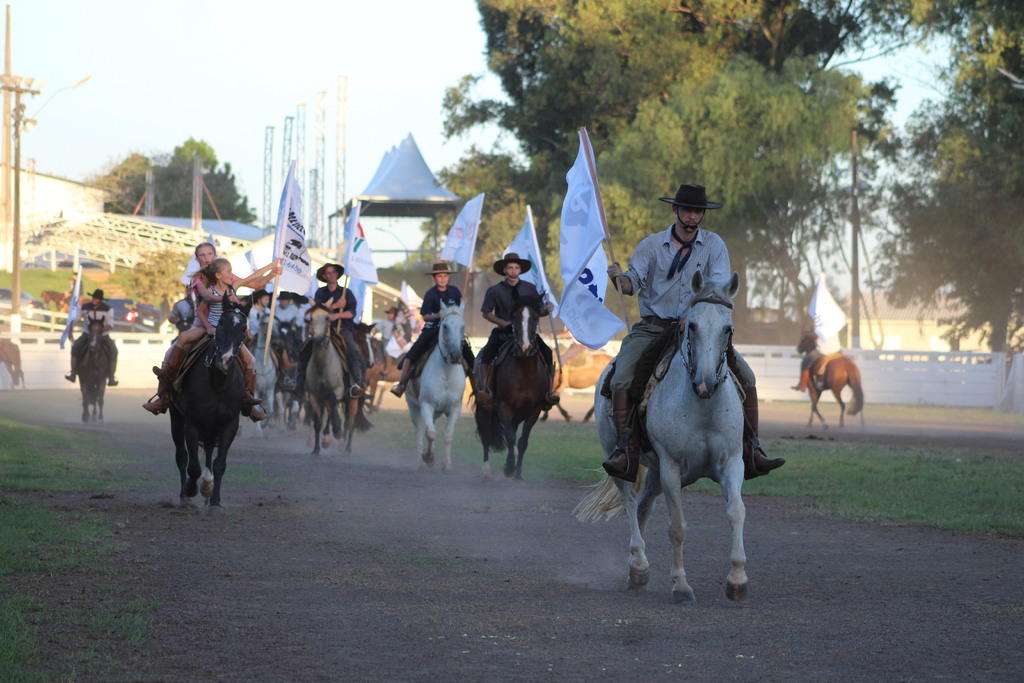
<point x="687" y="362"/>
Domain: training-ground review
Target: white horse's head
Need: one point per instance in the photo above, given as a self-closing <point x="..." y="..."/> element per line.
<point x="707" y="333"/>
<point x="452" y="330"/>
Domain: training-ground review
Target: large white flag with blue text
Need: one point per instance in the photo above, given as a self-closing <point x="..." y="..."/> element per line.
<point x="461" y="242"/>
<point x="828" y="317"/>
<point x="74" y="308"/>
<point x="584" y="265"/>
<point x="525" y="244"/>
<point x="290" y="239"/>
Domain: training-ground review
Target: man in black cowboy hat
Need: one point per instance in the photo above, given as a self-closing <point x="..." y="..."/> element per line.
<point x="96" y="309"/>
<point x="343" y="305"/>
<point x="660" y="271"/>
<point x="440" y="294"/>
<point x="499" y="302"/>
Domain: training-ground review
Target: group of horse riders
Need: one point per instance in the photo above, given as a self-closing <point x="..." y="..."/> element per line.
<point x="658" y="273"/>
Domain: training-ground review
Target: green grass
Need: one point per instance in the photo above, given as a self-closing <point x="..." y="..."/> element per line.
<point x="35" y="458"/>
<point x="35" y="281"/>
<point x="957" y="489"/>
<point x="53" y="558"/>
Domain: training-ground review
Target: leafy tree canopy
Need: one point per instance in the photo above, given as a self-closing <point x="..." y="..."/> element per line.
<point x="172" y="181"/>
<point x="157" y="278"/>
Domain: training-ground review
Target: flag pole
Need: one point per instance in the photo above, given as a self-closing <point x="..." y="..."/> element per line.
<point x="592" y="164"/>
<point x="270" y="324"/>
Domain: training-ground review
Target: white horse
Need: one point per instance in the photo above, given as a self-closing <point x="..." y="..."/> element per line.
<point x="266" y="372"/>
<point x="694" y="422"/>
<point x="439" y="388"/>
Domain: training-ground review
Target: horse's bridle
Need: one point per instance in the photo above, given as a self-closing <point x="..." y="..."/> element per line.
<point x="687" y="353"/>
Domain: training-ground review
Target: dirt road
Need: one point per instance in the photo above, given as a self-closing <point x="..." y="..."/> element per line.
<point x="363" y="568"/>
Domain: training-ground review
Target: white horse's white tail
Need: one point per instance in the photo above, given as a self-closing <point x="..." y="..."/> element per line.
<point x="604" y="499"/>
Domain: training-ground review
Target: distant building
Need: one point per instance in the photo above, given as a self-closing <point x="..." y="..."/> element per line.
<point x="916" y="327"/>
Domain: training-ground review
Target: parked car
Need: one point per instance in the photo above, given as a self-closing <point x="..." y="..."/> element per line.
<point x="31" y="307"/>
<point x="134" y="316"/>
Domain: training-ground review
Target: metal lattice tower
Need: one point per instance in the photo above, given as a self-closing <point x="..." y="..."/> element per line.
<point x="341" y="145"/>
<point x="320" y="163"/>
<point x="313" y="227"/>
<point x="286" y="147"/>
<point x="268" y="174"/>
<point x="150" y="209"/>
<point x="300" y="143"/>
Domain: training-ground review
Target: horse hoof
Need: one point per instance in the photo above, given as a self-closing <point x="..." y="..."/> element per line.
<point x="448" y="469"/>
<point x="683" y="596"/>
<point x="509" y="472"/>
<point x="638" y="578"/>
<point x="735" y="592"/>
<point x="428" y="459"/>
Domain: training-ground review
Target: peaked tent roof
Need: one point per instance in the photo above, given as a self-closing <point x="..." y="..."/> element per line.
<point x="404" y="186"/>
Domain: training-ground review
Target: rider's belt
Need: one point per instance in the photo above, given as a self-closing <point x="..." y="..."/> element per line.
<point x="660" y="322"/>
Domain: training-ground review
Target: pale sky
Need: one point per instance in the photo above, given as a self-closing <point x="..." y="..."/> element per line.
<point x="223" y="70"/>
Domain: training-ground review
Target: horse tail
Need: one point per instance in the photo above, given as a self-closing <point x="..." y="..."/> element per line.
<point x="362" y="423"/>
<point x="488" y="428"/>
<point x="853" y="378"/>
<point x="604" y="499"/>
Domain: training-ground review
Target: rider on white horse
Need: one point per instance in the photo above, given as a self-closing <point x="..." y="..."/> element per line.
<point x="442" y="293"/>
<point x="499" y="302"/>
<point x="659" y="272"/>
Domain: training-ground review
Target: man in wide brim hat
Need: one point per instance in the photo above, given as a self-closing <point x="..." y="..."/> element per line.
<point x="512" y="257"/>
<point x="95" y="309"/>
<point x="693" y="197"/>
<point x="320" y="271"/>
<point x="659" y="273"/>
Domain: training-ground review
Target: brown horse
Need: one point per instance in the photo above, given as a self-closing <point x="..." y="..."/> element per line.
<point x="838" y="373"/>
<point x="581" y="368"/>
<point x="55" y="298"/>
<point x="10" y="356"/>
<point x="520" y="387"/>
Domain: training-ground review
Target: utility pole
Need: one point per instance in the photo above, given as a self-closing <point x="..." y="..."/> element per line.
<point x="341" y="159"/>
<point x="19" y="86"/>
<point x="855" y="260"/>
<point x="150" y="209"/>
<point x="5" y="191"/>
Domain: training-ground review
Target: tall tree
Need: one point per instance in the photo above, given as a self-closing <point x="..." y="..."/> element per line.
<point x="172" y="180"/>
<point x="958" y="227"/>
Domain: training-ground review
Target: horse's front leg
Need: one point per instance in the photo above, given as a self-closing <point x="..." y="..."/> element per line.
<point x="220" y="463"/>
<point x="842" y="407"/>
<point x="670" y="484"/>
<point x="193" y="467"/>
<point x="524" y="441"/>
<point x="351" y="408"/>
<point x="814" y="410"/>
<point x="449" y="435"/>
<point x="181" y="455"/>
<point x="732" y="482"/>
<point x="85" y="403"/>
<point x="508" y="431"/>
<point x="428" y="429"/>
<point x="637" y="513"/>
<point x="317" y="414"/>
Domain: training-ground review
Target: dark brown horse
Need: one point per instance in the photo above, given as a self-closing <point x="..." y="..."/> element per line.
<point x="93" y="370"/>
<point x="10" y="356"/>
<point x="521" y="384"/>
<point x="838" y="373"/>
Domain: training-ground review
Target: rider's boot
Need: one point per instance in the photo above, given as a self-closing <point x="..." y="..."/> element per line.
<point x="805" y="378"/>
<point x="71" y="376"/>
<point x="755" y="463"/>
<point x="250" y="404"/>
<point x="483" y="382"/>
<point x="159" y="403"/>
<point x="624" y="462"/>
<point x="552" y="398"/>
<point x="399" y="388"/>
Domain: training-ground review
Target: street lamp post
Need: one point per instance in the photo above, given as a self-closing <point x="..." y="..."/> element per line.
<point x="19" y="86"/>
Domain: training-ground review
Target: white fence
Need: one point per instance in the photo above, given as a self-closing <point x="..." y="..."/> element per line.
<point x="962" y="379"/>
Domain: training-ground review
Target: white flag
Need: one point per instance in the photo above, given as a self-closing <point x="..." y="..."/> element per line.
<point x="73" y="310"/>
<point x="461" y="240"/>
<point x="409" y="296"/>
<point x="525" y="244"/>
<point x="583" y="262"/>
<point x="828" y="317"/>
<point x="290" y="239"/>
<point x="358" y="263"/>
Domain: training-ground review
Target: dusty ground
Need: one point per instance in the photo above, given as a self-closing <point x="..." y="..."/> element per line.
<point x="363" y="568"/>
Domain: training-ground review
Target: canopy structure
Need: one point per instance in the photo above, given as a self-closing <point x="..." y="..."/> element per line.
<point x="403" y="187"/>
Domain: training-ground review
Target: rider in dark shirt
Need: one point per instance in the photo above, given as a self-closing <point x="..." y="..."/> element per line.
<point x="343" y="306"/>
<point x="499" y="302"/>
<point x="440" y="294"/>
